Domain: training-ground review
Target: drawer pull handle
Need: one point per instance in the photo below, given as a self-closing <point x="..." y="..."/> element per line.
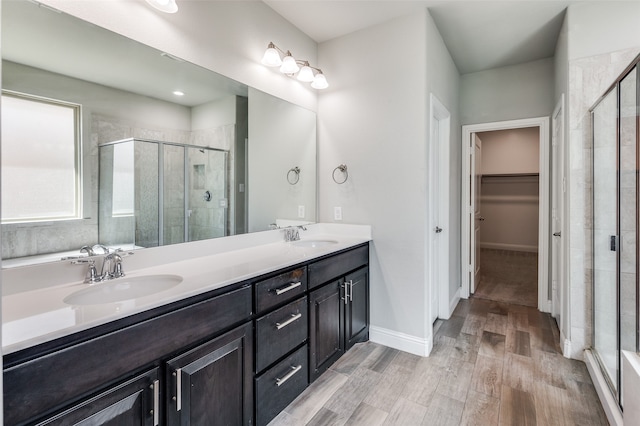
<point x="156" y="402"/>
<point x="290" y="374"/>
<point x="291" y="286"/>
<point x="293" y="318"/>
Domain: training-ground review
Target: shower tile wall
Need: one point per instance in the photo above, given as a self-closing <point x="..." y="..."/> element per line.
<point x="589" y="78"/>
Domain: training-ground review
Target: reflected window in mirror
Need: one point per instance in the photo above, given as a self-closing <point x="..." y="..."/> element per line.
<point x="40" y="159"/>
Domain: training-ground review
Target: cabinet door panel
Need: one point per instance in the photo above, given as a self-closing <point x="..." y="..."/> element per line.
<point x="357" y="310"/>
<point x="326" y="331"/>
<point x="129" y="404"/>
<point x="212" y="384"/>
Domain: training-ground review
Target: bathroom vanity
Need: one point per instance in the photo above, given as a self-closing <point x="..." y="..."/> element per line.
<point x="236" y="353"/>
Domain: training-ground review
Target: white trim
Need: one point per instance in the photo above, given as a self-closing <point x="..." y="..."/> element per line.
<point x="566" y="345"/>
<point x="510" y="247"/>
<point x="438" y="213"/>
<point x="609" y="404"/>
<point x="543" y="230"/>
<point x="401" y="341"/>
<point x="454" y="302"/>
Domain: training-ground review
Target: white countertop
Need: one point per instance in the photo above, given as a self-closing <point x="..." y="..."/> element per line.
<point x="38" y="314"/>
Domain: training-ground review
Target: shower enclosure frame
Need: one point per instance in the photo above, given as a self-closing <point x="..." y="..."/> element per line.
<point x="616" y="388"/>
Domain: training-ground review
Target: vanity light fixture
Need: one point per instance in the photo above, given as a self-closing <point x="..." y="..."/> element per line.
<point x="168" y="6"/>
<point x="291" y="66"/>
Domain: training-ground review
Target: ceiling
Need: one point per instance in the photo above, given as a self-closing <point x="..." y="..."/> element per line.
<point x="479" y="34"/>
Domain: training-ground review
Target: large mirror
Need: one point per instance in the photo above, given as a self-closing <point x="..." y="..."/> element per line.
<point x="106" y="140"/>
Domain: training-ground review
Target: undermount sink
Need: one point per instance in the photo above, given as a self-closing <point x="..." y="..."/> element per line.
<point x="121" y="289"/>
<point x="314" y="243"/>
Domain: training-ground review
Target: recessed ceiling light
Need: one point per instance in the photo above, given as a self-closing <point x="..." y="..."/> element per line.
<point x="178" y="93"/>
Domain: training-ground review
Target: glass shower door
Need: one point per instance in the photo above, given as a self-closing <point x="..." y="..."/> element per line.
<point x="615" y="227"/>
<point x="605" y="236"/>
<point x="208" y="202"/>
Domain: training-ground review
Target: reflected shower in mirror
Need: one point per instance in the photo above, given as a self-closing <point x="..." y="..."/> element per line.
<point x="230" y="144"/>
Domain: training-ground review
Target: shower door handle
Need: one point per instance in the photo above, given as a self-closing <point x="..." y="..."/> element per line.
<point x="613" y="243"/>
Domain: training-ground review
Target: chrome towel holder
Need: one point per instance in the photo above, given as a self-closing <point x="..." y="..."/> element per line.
<point x="295" y="177"/>
<point x="343" y="169"/>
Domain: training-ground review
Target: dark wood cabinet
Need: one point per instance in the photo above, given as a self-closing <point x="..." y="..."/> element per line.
<point x="213" y="383"/>
<point x="338" y="310"/>
<point x="133" y="403"/>
<point x="356" y="323"/>
<point x="326" y="327"/>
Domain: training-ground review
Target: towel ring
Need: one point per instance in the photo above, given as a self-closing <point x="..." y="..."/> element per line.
<point x="295" y="177"/>
<point x="343" y="169"/>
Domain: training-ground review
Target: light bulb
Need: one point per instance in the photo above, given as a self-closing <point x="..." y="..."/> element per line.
<point x="320" y="81"/>
<point x="289" y="65"/>
<point x="306" y="73"/>
<point x="271" y="57"/>
<point x="168" y="6"/>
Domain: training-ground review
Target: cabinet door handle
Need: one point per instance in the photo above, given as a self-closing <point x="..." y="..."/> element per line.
<point x="290" y="374"/>
<point x="291" y="286"/>
<point x="293" y="318"/>
<point x="350" y="283"/>
<point x="156" y="402"/>
<point x="178" y="398"/>
<point x="345" y="285"/>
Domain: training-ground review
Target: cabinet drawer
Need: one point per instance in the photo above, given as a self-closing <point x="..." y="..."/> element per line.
<point x="328" y="269"/>
<point x="279" y="332"/>
<point x="280" y="385"/>
<point x="281" y="288"/>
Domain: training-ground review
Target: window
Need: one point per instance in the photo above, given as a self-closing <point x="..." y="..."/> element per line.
<point x="40" y="163"/>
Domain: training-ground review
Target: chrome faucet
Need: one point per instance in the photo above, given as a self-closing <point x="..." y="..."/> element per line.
<point x="111" y="264"/>
<point x="292" y="233"/>
<point x="114" y="260"/>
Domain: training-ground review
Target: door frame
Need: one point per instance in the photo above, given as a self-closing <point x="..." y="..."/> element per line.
<point x="544" y="304"/>
<point x="561" y="306"/>
<point x="437" y="261"/>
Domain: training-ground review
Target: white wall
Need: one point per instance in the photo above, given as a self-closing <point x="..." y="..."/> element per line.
<point x="444" y="82"/>
<point x="372" y="118"/>
<point x="508" y="93"/>
<point x="511" y="151"/>
<point x="602" y="27"/>
<point x="214" y="114"/>
<point x="290" y="131"/>
<point x="228" y="37"/>
<point x="376" y="122"/>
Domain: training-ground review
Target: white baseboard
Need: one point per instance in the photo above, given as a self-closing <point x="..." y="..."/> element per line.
<point x="566" y="345"/>
<point x="401" y="341"/>
<point x="609" y="404"/>
<point x="453" y="303"/>
<point x="510" y="247"/>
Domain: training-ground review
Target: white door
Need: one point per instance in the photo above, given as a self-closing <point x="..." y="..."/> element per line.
<point x="557" y="213"/>
<point x="476" y="173"/>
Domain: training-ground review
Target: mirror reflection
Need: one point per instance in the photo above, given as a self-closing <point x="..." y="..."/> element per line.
<point x="161" y="151"/>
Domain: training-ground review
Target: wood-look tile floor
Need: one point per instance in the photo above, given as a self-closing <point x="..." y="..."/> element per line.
<point x="492" y="364"/>
<point x="508" y="276"/>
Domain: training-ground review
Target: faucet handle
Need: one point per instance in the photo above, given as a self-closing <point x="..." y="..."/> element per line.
<point x="93" y="276"/>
